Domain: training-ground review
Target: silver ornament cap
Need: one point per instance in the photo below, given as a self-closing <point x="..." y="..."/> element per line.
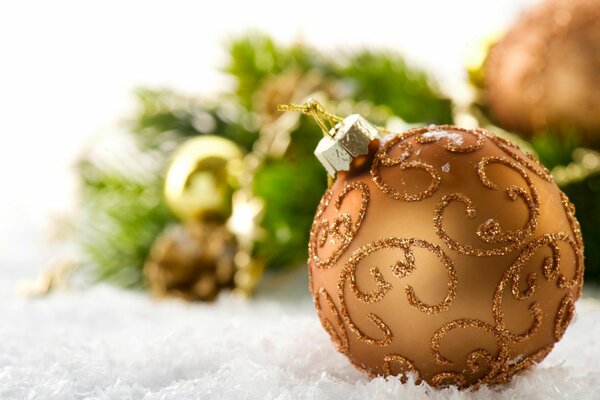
<point x="347" y="140"/>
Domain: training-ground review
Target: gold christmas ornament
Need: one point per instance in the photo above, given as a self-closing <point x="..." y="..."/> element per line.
<point x="201" y="178"/>
<point x="194" y="261"/>
<point x="449" y="254"/>
<point x="544" y="73"/>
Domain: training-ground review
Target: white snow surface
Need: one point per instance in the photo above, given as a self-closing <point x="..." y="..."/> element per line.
<point x="108" y="343"/>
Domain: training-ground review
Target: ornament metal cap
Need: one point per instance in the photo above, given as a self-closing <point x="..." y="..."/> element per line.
<point x="348" y="139"/>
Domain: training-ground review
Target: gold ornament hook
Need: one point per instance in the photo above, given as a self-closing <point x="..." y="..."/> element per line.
<point x="345" y="139"/>
<point x="315" y="109"/>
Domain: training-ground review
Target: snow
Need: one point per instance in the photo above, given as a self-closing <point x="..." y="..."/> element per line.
<point x="438" y="135"/>
<point x="107" y="343"/>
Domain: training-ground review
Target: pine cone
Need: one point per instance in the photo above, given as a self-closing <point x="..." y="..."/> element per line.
<point x="194" y="261"/>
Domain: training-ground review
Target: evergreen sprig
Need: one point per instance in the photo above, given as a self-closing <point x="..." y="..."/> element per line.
<point x="125" y="213"/>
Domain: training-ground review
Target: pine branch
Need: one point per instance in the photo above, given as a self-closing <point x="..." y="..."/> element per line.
<point x="386" y="79"/>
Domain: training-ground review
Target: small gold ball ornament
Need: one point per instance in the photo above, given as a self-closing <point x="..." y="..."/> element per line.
<point x="201" y="178"/>
<point x="443" y="252"/>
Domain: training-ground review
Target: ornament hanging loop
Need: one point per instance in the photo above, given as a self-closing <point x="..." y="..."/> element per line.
<point x="315" y="109"/>
<point x="346" y="139"/>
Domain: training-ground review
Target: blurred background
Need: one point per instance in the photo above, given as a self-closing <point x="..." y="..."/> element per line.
<point x="73" y="74"/>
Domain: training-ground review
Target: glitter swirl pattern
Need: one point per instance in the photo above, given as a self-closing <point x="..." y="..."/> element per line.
<point x="400" y="268"/>
<point x="334" y="327"/>
<point x="363" y="285"/>
<point x="383" y="159"/>
<point x="341" y="231"/>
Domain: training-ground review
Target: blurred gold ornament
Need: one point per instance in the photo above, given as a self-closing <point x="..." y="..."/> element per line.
<point x="193" y="261"/>
<point x="544" y="73"/>
<point x="249" y="272"/>
<point x="244" y="223"/>
<point x="201" y="178"/>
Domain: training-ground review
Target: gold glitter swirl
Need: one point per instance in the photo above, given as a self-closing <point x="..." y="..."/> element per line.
<point x="406" y="265"/>
<point x="513" y="150"/>
<point x="490" y="231"/>
<point x="576" y="229"/>
<point x="517" y="365"/>
<point x="550" y="269"/>
<point x="383" y="159"/>
<point x="450" y="143"/>
<point x="477" y="361"/>
<point x="342" y="229"/>
<point x="445" y="379"/>
<point x="550" y="265"/>
<point x="400" y="268"/>
<point x="564" y="315"/>
<point x="497" y="235"/>
<point x="339" y="335"/>
<point x="386" y="340"/>
<point x="402" y="364"/>
<point x="473" y="356"/>
<point x="500" y="368"/>
<point x="573" y="223"/>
